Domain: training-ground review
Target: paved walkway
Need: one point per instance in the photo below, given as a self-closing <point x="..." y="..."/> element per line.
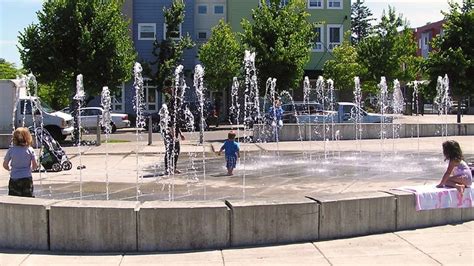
<point x="443" y="245"/>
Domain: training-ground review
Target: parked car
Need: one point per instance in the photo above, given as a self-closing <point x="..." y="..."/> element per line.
<point x="454" y="108"/>
<point x="300" y="108"/>
<point x="89" y="118"/>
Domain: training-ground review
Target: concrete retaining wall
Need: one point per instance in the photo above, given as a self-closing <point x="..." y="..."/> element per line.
<point x="167" y="226"/>
<point x="290" y="132"/>
<point x="256" y="223"/>
<point x="121" y="226"/>
<point x="24" y="223"/>
<point x="93" y="226"/>
<point x="352" y="214"/>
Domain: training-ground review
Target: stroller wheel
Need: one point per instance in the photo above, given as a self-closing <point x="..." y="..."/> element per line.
<point x="56" y="167"/>
<point x="67" y="165"/>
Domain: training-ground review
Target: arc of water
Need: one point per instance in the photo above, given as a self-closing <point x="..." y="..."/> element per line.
<point x="140" y="122"/>
<point x="446" y="101"/>
<point x="79" y="97"/>
<point x="250" y="98"/>
<point x="235" y="108"/>
<point x="31" y="79"/>
<point x="189" y="118"/>
<point x="306" y="100"/>
<point x="320" y="86"/>
<point x="397" y="110"/>
<point x="382" y="102"/>
<point x="357" y="112"/>
<point x="199" y="86"/>
<point x="105" y="101"/>
<point x="330" y="101"/>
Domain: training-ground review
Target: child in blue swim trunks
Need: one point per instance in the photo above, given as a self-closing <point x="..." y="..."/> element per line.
<point x="232" y="152"/>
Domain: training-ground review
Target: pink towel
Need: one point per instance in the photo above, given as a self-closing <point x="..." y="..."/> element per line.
<point x="429" y="197"/>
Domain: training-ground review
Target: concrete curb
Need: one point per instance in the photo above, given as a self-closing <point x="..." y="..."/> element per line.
<point x="120" y="226"/>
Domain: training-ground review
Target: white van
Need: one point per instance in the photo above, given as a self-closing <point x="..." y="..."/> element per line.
<point x="13" y="94"/>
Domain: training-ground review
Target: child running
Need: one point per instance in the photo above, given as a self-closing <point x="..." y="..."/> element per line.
<point x="20" y="160"/>
<point x="458" y="175"/>
<point x="232" y="152"/>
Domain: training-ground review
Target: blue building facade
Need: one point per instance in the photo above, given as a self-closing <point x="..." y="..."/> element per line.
<point x="147" y="25"/>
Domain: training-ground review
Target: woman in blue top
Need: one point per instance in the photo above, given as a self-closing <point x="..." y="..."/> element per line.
<point x="20" y="160"/>
<point x="232" y="152"/>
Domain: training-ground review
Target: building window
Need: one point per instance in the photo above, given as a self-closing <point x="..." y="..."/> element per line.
<point x="318" y="39"/>
<point x="218" y="9"/>
<point x="315" y="4"/>
<point x="335" y="4"/>
<point x="146" y="31"/>
<point x="282" y="3"/>
<point x="173" y="35"/>
<point x="334" y="36"/>
<point x="202" y="35"/>
<point x="150" y="95"/>
<point x="202" y="9"/>
<point x="117" y="99"/>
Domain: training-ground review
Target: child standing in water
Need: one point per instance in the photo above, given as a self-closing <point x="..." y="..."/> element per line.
<point x="458" y="175"/>
<point x="232" y="152"/>
<point x="20" y="160"/>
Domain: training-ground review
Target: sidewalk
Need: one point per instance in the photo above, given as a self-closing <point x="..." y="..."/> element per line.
<point x="442" y="245"/>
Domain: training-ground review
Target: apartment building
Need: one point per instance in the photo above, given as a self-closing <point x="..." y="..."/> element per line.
<point x="148" y="24"/>
<point x="425" y="34"/>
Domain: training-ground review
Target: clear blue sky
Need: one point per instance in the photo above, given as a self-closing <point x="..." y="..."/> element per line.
<point x="15" y="15"/>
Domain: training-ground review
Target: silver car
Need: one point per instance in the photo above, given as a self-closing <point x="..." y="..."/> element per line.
<point x="89" y="118"/>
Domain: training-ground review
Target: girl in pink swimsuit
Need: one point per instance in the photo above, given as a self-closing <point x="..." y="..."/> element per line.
<point x="457" y="175"/>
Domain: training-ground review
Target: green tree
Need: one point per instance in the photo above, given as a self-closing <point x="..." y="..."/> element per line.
<point x="360" y="21"/>
<point x="221" y="57"/>
<point x="169" y="52"/>
<point x="281" y="36"/>
<point x="343" y="68"/>
<point x="8" y="70"/>
<point x="88" y="37"/>
<point x="388" y="52"/>
<point x="453" y="52"/>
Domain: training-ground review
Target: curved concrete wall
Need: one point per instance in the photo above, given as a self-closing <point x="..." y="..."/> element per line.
<point x="291" y="132"/>
<point x="104" y="226"/>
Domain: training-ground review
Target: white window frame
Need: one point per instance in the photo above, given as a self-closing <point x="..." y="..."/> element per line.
<point x="316" y="7"/>
<point x="316" y="49"/>
<point x="180" y="31"/>
<point x="330" y="45"/>
<point x="140" y="25"/>
<point x="118" y="102"/>
<point x="146" y="89"/>
<point x="214" y="9"/>
<point x="207" y="9"/>
<point x="331" y="7"/>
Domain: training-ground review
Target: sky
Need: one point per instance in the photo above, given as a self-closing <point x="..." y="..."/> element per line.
<point x="16" y="15"/>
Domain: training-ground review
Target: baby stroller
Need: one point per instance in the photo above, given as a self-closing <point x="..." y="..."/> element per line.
<point x="53" y="156"/>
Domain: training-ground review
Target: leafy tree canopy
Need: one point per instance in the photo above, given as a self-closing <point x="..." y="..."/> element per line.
<point x="389" y="52"/>
<point x="343" y="68"/>
<point x="88" y="37"/>
<point x="8" y="70"/>
<point x="453" y="52"/>
<point x="169" y="51"/>
<point x="221" y="57"/>
<point x="281" y="36"/>
<point x="360" y="21"/>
